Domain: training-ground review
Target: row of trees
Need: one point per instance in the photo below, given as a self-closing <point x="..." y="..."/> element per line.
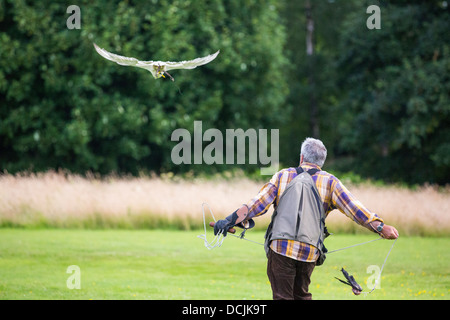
<point x="379" y="99"/>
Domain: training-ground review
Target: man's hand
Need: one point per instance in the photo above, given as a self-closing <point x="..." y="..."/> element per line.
<point x="233" y="219"/>
<point x="389" y="232"/>
<point x="223" y="225"/>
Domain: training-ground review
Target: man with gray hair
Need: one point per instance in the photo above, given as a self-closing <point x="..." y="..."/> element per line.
<point x="313" y="151"/>
<point x="290" y="261"/>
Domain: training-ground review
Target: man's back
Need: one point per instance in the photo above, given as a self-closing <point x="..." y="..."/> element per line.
<point x="290" y="263"/>
<point x="334" y="195"/>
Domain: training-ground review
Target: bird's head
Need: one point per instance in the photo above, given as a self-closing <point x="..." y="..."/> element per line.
<point x="158" y="71"/>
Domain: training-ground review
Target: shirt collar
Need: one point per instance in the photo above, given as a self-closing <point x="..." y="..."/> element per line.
<point x="309" y="165"/>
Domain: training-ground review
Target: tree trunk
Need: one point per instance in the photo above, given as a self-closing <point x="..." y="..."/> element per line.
<point x="314" y="112"/>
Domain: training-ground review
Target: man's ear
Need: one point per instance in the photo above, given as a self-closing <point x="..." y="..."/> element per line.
<point x="301" y="159"/>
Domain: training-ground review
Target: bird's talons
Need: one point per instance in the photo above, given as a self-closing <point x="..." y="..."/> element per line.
<point x="168" y="74"/>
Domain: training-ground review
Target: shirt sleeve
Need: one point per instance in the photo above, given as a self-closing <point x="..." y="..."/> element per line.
<point x="265" y="197"/>
<point x="345" y="202"/>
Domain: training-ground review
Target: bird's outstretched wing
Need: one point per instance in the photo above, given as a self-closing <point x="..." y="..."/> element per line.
<point x="190" y="64"/>
<point x="123" y="61"/>
<point x="157" y="68"/>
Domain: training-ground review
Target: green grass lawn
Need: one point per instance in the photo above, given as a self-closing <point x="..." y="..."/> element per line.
<point x="162" y="264"/>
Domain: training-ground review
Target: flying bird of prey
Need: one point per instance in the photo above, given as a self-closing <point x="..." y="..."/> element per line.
<point x="157" y="68"/>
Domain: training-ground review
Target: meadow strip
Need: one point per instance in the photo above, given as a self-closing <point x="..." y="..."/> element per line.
<point x="58" y="199"/>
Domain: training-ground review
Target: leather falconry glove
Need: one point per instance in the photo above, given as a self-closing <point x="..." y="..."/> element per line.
<point x="238" y="219"/>
<point x="225" y="224"/>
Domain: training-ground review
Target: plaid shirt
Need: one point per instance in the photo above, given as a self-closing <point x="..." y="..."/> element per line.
<point x="334" y="196"/>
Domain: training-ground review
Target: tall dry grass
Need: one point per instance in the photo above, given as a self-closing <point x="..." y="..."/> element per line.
<point x="64" y="200"/>
<point x="424" y="211"/>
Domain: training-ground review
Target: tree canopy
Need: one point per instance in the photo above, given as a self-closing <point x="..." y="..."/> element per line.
<point x="396" y="83"/>
<point x="379" y="99"/>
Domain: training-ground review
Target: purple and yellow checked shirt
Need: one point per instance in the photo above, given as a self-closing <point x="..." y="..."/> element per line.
<point x="334" y="196"/>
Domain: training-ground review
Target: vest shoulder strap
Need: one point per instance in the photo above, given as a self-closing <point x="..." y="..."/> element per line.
<point x="310" y="171"/>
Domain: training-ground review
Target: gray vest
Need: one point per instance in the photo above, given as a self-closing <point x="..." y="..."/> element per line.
<point x="299" y="215"/>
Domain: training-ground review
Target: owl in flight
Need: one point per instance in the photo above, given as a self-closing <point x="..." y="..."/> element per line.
<point x="157" y="68"/>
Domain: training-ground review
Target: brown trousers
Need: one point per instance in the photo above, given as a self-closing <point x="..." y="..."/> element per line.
<point x="288" y="277"/>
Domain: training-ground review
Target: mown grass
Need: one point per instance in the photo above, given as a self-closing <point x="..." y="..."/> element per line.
<point x="111" y="228"/>
<point x="166" y="265"/>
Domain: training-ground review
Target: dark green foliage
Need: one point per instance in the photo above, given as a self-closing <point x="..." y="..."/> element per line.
<point x="63" y="105"/>
<point x="381" y="97"/>
<point x="397" y="82"/>
<point x="314" y="77"/>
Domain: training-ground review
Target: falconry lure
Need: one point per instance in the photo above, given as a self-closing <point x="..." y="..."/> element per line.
<point x="356" y="288"/>
<point x="157" y="68"/>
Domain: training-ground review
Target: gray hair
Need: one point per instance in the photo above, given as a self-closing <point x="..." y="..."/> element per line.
<point x="314" y="151"/>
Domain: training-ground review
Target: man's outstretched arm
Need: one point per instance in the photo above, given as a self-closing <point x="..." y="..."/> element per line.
<point x="343" y="200"/>
<point x="256" y="207"/>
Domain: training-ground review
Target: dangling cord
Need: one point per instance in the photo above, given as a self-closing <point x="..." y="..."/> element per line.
<point x="385" y="259"/>
<point x="241" y="236"/>
<point x="381" y="271"/>
<point x="173" y="80"/>
<point x="355" y="245"/>
<point x="218" y="239"/>
<point x="179" y="90"/>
